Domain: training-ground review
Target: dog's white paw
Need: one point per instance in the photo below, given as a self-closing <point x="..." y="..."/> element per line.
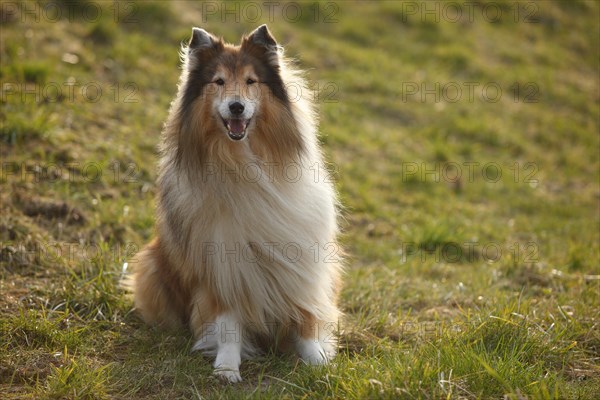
<point x="230" y="374"/>
<point x="316" y="359"/>
<point x="312" y="352"/>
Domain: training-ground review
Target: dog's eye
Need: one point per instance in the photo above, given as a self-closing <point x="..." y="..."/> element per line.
<point x="250" y="81"/>
<point x="220" y="82"/>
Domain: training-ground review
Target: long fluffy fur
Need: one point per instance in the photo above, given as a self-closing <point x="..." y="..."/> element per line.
<point x="231" y="216"/>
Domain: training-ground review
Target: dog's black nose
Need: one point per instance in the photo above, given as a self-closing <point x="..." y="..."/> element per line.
<point x="236" y="108"/>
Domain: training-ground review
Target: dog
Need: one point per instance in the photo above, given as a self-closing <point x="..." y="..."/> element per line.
<point x="245" y="252"/>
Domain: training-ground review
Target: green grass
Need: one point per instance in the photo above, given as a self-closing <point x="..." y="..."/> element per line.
<point x="470" y="286"/>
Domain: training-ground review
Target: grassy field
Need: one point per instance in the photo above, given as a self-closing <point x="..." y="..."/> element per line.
<point x="464" y="140"/>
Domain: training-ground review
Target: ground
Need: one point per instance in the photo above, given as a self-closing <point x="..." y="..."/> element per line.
<point x="463" y="138"/>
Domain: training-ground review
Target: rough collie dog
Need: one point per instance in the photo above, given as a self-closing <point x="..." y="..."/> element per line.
<point x="245" y="252"/>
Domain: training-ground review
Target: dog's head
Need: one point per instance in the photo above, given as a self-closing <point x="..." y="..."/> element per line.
<point x="233" y="83"/>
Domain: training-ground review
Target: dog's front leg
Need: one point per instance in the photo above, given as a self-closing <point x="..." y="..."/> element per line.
<point x="314" y="340"/>
<point x="229" y="347"/>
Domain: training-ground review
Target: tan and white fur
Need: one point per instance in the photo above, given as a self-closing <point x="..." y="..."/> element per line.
<point x="245" y="252"/>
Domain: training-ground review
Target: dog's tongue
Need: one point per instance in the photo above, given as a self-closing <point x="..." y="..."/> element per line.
<point x="236" y="126"/>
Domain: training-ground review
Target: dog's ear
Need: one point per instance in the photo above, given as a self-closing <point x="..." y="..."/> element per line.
<point x="201" y="48"/>
<point x="201" y="39"/>
<point x="261" y="43"/>
<point x="261" y="36"/>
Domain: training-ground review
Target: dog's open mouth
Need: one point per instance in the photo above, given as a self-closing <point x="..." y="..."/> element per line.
<point x="236" y="128"/>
